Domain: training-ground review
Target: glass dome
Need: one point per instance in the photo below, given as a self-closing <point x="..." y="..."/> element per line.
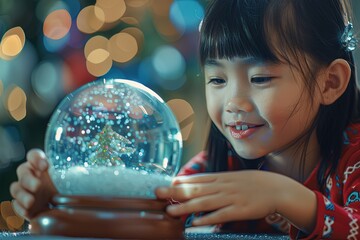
<point x="113" y="137"/>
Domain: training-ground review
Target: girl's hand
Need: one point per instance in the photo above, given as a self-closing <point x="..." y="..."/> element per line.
<point x="241" y="195"/>
<point x="34" y="188"/>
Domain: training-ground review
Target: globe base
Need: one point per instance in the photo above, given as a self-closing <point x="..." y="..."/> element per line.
<point x="108" y="217"/>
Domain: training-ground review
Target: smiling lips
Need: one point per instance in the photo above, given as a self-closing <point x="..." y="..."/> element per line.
<point x="241" y="130"/>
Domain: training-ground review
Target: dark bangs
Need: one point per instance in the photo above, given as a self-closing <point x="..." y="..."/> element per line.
<point x="234" y="28"/>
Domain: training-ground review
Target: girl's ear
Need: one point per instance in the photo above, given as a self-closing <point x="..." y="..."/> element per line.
<point x="335" y="81"/>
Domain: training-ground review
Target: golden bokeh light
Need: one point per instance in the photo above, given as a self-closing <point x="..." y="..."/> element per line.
<point x="16" y="103"/>
<point x="57" y="24"/>
<point x="136" y="3"/>
<point x="123" y="47"/>
<point x="161" y="7"/>
<point x="184" y="114"/>
<point x="87" y="22"/>
<point x="13" y="222"/>
<point x="113" y="9"/>
<point x="96" y="42"/>
<point x="166" y="28"/>
<point x="137" y="34"/>
<point x="162" y="21"/>
<point x="11" y="46"/>
<point x="130" y="21"/>
<point x="98" y="56"/>
<point x="12" y="42"/>
<point x="98" y="68"/>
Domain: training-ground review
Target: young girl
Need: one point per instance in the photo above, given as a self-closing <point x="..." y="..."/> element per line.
<point x="282" y="97"/>
<point x="281" y="94"/>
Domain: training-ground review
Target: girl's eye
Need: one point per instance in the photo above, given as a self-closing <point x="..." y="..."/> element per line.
<point x="261" y="80"/>
<point x="216" y="81"/>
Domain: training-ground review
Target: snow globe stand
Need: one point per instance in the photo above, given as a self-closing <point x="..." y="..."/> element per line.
<point x="110" y="144"/>
<point x="114" y="218"/>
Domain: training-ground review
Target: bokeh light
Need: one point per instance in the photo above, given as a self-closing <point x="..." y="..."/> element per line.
<point x="96" y="42"/>
<point x="137" y="34"/>
<point x="16" y="71"/>
<point x="88" y="22"/>
<point x="184" y="114"/>
<point x="16" y="103"/>
<point x="12" y="220"/>
<point x="98" y="59"/>
<point x="130" y="20"/>
<point x="45" y="7"/>
<point x="123" y="47"/>
<point x="169" y="65"/>
<point x="99" y="62"/>
<point x="46" y="80"/>
<point x="136" y="3"/>
<point x="57" y="24"/>
<point x="113" y="10"/>
<point x="55" y="45"/>
<point x="162" y="20"/>
<point x="12" y="42"/>
<point x="186" y="14"/>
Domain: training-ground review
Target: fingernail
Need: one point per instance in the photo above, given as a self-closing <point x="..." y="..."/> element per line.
<point x="42" y="164"/>
<point x="171" y="208"/>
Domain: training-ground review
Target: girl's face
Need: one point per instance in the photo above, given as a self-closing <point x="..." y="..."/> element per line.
<point x="261" y="108"/>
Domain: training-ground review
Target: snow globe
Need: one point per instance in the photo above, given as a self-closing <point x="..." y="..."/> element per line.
<point x="110" y="144"/>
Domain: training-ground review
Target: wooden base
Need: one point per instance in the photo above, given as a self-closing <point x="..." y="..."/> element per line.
<point x="116" y="218"/>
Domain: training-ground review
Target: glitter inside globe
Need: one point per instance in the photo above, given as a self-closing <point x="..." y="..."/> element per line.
<point x="113" y="137"/>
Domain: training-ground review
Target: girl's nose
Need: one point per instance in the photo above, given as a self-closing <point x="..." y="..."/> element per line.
<point x="238" y="105"/>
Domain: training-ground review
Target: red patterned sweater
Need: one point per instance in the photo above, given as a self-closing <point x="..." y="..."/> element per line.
<point x="338" y="207"/>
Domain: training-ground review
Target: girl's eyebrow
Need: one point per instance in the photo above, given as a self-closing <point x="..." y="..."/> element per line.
<point x="212" y="62"/>
<point x="244" y="61"/>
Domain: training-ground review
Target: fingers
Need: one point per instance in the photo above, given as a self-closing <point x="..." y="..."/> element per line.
<point x="36" y="164"/>
<point x="23" y="200"/>
<point x="201" y="204"/>
<point x="183" y="192"/>
<point x="187" y="187"/>
<point x="37" y="159"/>
<point x="29" y="173"/>
<point x="197" y="178"/>
<point x="28" y="177"/>
<point x="33" y="189"/>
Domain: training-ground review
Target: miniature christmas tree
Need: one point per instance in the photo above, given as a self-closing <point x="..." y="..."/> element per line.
<point x="107" y="147"/>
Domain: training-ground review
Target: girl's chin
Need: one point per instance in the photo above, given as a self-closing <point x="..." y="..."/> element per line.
<point x="250" y="156"/>
<point x="250" y="153"/>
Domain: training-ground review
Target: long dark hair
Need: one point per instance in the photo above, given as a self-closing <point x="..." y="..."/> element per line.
<point x="285" y="31"/>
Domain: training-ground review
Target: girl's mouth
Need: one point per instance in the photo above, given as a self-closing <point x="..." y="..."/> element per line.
<point x="242" y="130"/>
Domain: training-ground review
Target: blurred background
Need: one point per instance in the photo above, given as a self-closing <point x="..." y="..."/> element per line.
<point x="49" y="48"/>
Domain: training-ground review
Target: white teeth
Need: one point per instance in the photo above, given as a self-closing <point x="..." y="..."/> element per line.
<point x="242" y="127"/>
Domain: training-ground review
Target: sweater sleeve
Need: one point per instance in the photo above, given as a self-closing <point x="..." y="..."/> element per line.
<point x="333" y="222"/>
<point x="196" y="165"/>
<point x="338" y="208"/>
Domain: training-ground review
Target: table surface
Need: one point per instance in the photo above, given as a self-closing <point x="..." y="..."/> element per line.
<point x="188" y="236"/>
